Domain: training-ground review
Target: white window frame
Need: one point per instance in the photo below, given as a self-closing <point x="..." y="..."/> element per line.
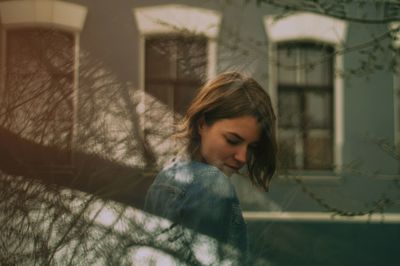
<point x="306" y="26"/>
<point x="396" y="89"/>
<point x="170" y="19"/>
<point x="43" y="14"/>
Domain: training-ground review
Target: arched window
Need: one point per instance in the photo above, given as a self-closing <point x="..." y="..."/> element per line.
<point x="307" y="92"/>
<point x="39" y="69"/>
<point x="39" y="84"/>
<point x="305" y="97"/>
<point x="178" y="53"/>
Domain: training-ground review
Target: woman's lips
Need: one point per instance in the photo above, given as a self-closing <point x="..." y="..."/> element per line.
<point x="236" y="168"/>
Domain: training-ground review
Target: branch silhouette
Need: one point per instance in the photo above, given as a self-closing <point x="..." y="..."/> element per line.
<point x="86" y="172"/>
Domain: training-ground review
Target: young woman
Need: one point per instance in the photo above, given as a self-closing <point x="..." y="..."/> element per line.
<point x="228" y="128"/>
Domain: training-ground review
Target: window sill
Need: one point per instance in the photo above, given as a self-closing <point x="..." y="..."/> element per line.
<point x="388" y="177"/>
<point x="317" y="177"/>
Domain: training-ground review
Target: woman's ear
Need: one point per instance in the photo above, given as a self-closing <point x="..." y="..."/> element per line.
<point x="201" y="123"/>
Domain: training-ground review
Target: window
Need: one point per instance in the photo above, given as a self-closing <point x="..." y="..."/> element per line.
<point x="305" y="105"/>
<point x="175" y="66"/>
<point x="308" y="97"/>
<point x="177" y="53"/>
<point x="39" y="85"/>
<point x="39" y="69"/>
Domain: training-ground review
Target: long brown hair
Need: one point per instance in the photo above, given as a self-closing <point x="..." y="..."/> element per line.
<point x="231" y="95"/>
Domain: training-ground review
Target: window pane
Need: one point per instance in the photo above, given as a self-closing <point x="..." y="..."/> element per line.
<point x="319" y="66"/>
<point x="39" y="85"/>
<point x="183" y="95"/>
<point x="176" y="62"/>
<point x="319" y="150"/>
<point x="192" y="58"/>
<point x="318" y="109"/>
<point x="291" y="149"/>
<point x="161" y="92"/>
<point x="289" y="109"/>
<point x="156" y="110"/>
<point x="287" y="60"/>
<point x="304" y="63"/>
<point x="287" y="152"/>
<point x="160" y="54"/>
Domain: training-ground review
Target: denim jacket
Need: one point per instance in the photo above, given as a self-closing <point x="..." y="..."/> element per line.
<point x="200" y="197"/>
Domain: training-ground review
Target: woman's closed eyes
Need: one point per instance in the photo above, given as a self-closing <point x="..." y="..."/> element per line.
<point x="232" y="140"/>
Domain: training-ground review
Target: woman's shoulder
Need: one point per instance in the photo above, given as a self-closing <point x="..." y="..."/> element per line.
<point x="186" y="170"/>
<point x="202" y="177"/>
<point x="196" y="175"/>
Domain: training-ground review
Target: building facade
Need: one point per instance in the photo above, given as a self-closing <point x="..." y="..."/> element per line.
<point x="112" y="77"/>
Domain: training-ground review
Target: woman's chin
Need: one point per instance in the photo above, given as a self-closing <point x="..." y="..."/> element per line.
<point x="228" y="171"/>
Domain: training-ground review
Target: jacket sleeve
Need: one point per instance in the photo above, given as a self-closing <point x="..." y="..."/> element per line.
<point x="206" y="206"/>
<point x="162" y="200"/>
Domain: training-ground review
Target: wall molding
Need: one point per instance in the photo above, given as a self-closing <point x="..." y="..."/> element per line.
<point x="180" y="18"/>
<point x="47" y="13"/>
<point x="306" y="26"/>
<point x="317" y="217"/>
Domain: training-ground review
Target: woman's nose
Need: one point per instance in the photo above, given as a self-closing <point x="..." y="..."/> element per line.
<point x="241" y="154"/>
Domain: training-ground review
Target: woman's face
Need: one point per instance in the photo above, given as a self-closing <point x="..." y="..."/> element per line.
<point x="226" y="142"/>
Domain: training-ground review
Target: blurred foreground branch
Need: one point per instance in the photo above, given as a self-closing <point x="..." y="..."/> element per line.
<point x="86" y="172"/>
